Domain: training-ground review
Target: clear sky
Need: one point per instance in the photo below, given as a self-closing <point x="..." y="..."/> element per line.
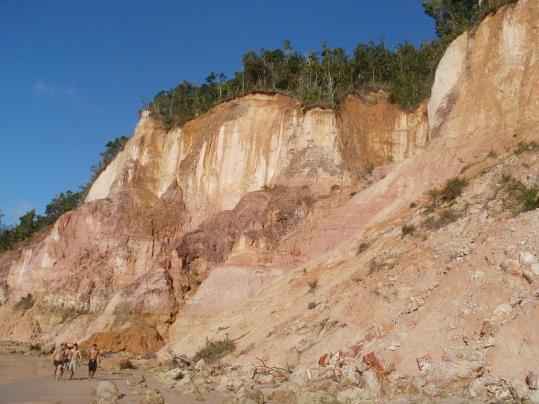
<point x="73" y="73"/>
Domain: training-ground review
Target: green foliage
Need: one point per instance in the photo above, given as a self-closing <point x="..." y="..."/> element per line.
<point x="526" y="197"/>
<point x="524" y="147"/>
<point x="325" y="77"/>
<point x="31" y="222"/>
<point x="408" y="229"/>
<point x="25" y="303"/>
<point x="413" y="73"/>
<point x="212" y="351"/>
<point x="113" y="147"/>
<point x="452" y="190"/>
<point x="453" y="17"/>
<point x="62" y="203"/>
<point x="321" y="78"/>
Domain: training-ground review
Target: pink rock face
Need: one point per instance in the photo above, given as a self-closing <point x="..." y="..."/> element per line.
<point x="228" y="185"/>
<point x="235" y="285"/>
<point x="257" y="220"/>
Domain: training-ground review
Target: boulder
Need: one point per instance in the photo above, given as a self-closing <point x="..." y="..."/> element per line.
<point x="136" y="381"/>
<point x="247" y="395"/>
<point x="532" y="379"/>
<point x="324" y="359"/>
<point x="174" y="374"/>
<point x="107" y="392"/>
<point x="283" y="397"/>
<point x="370" y="381"/>
<point x="264" y="379"/>
<point x="350" y="375"/>
<point x="152" y="396"/>
<point x="301" y="376"/>
<point x="380" y="362"/>
<point x="502" y="313"/>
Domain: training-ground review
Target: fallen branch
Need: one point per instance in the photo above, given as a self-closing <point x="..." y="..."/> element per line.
<point x="272" y="370"/>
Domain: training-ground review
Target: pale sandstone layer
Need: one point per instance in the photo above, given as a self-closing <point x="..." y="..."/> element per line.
<point x="434" y="295"/>
<point x="244" y="173"/>
<point x="258" y="199"/>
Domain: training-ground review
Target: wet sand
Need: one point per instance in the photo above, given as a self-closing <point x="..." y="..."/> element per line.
<point x="29" y="379"/>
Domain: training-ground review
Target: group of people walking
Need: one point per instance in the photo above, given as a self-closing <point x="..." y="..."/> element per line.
<point x="66" y="357"/>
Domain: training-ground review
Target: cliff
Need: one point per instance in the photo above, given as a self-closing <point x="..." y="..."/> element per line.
<point x="264" y="219"/>
<point x="126" y="254"/>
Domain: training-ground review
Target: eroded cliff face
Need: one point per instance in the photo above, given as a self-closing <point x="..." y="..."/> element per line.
<point x="173" y="204"/>
<point x="443" y="297"/>
<point x="229" y="221"/>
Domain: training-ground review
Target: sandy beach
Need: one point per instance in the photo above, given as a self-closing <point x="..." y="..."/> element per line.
<point x="29" y="379"/>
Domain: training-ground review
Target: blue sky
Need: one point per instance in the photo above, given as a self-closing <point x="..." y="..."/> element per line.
<point x="73" y="74"/>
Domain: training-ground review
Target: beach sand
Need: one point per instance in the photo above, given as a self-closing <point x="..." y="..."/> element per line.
<point x="29" y="379"/>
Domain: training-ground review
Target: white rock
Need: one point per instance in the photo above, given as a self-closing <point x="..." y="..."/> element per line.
<point x="502" y="312"/>
<point x="107" y="392"/>
<point x="526" y="258"/>
<point x="301" y="376"/>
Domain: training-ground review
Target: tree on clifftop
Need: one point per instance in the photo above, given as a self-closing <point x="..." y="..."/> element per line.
<point x="453" y="17"/>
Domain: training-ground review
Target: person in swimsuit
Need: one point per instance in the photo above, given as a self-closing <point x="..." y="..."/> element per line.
<point x="74" y="356"/>
<point x="93" y="357"/>
<point x="58" y="358"/>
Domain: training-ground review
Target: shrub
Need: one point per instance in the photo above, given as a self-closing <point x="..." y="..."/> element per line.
<point x="408" y="229"/>
<point x="212" y="351"/>
<point x="313" y="285"/>
<point x="26" y="303"/>
<point x="526" y="197"/>
<point x="446" y="217"/>
<point x="413" y="205"/>
<point x="311" y="305"/>
<point x="452" y="190"/>
<point x="524" y="146"/>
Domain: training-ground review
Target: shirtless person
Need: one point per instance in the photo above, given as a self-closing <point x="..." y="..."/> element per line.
<point x="58" y="358"/>
<point x="93" y="357"/>
<point x="74" y="356"/>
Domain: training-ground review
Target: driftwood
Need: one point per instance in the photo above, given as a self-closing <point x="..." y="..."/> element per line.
<point x="184" y="360"/>
<point x="275" y="371"/>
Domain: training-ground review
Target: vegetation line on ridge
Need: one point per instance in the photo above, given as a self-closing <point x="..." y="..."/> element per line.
<point x="321" y="78"/>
